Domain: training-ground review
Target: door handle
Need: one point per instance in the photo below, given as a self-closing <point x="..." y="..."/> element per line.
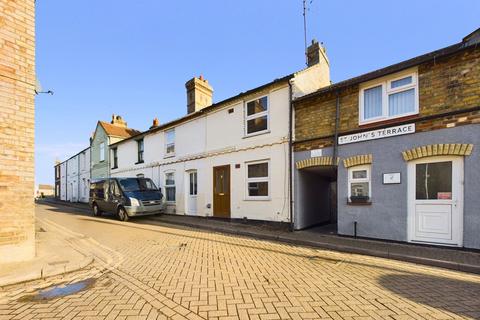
<point x="221" y="194"/>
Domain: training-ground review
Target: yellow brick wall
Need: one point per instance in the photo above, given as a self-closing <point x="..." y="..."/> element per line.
<point x="448" y="84"/>
<point x="17" y="79"/>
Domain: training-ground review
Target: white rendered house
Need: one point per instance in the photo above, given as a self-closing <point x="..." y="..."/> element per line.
<point x="229" y="159"/>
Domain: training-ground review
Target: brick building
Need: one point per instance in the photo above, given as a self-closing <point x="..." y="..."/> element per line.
<point x="17" y="89"/>
<point x="393" y="154"/>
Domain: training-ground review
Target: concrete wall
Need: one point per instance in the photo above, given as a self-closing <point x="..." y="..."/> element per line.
<point x="386" y="217"/>
<point x="17" y="85"/>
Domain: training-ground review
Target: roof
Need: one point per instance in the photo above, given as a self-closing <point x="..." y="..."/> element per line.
<point x="200" y="112"/>
<point x="464" y="44"/>
<point x="117" y="131"/>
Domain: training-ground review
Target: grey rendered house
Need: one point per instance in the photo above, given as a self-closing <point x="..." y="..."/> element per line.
<point x="394" y="154"/>
<point x="104" y="135"/>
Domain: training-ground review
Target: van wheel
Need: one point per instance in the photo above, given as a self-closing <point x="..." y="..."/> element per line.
<point x="96" y="210"/>
<point x="122" y="214"/>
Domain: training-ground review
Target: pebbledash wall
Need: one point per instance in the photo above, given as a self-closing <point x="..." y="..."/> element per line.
<point x="17" y="89"/>
<point x="448" y="119"/>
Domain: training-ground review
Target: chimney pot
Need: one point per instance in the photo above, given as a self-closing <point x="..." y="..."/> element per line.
<point x="155" y="124"/>
<point x="118" y="121"/>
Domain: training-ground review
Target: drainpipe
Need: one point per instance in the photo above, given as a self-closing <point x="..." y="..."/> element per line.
<point x="337" y="121"/>
<point x="335" y="148"/>
<point x="290" y="154"/>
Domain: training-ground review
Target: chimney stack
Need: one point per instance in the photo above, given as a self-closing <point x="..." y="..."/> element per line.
<point x="316" y="53"/>
<point x="118" y="121"/>
<point x="199" y="94"/>
<point x="155" y="124"/>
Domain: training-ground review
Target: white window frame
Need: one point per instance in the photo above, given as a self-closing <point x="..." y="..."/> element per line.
<point x="256" y="115"/>
<point x="167" y="144"/>
<point x="259" y="179"/>
<point x="386" y="91"/>
<point x="102" y="151"/>
<point x="166" y="186"/>
<point x="368" y="179"/>
<point x="114" y="155"/>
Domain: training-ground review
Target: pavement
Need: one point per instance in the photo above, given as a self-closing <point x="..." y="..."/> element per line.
<point x="445" y="257"/>
<point x="145" y="270"/>
<point x="55" y="255"/>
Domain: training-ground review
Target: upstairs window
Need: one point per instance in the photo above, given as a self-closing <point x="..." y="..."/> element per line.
<point x="140" y="151"/>
<point x="115" y="158"/>
<point x="256" y="116"/>
<point x="102" y="151"/>
<point x="170" y="142"/>
<point x="391" y="98"/>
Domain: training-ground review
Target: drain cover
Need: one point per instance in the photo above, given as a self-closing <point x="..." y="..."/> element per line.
<point x="59" y="291"/>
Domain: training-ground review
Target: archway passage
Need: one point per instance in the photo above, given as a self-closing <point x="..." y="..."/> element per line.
<point x="316" y="198"/>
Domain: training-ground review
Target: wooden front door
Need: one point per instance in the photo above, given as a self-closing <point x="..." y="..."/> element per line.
<point x="221" y="191"/>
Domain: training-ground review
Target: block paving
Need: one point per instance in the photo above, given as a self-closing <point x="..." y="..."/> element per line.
<point x="164" y="272"/>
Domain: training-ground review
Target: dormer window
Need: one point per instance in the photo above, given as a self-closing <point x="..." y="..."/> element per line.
<point x="256" y="116"/>
<point x="389" y="98"/>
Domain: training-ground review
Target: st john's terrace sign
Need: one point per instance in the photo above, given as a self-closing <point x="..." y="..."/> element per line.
<point x="377" y="134"/>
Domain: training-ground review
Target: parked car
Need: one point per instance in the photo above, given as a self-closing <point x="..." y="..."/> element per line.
<point x="126" y="197"/>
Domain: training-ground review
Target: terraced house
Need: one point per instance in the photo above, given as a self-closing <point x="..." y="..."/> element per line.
<point x="394" y="153"/>
<point x="228" y="159"/>
<point x="104" y="135"/>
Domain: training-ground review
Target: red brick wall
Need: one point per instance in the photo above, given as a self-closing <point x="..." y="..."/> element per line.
<point x="17" y="84"/>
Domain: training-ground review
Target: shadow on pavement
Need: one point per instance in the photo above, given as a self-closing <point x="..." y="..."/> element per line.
<point x="460" y="297"/>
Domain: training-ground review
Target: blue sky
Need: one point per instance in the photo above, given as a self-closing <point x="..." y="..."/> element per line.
<point x="133" y="57"/>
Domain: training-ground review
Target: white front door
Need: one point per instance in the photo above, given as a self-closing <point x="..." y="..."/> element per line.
<point x="436" y="200"/>
<point x="192" y="192"/>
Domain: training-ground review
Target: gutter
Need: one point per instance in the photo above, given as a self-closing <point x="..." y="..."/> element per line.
<point x="290" y="154"/>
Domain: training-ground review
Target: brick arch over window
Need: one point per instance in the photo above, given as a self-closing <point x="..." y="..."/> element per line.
<point x="431" y="150"/>
<point x="315" y="162"/>
<point x="357" y="160"/>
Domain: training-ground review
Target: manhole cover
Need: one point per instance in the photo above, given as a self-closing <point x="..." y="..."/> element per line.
<point x="59" y="291"/>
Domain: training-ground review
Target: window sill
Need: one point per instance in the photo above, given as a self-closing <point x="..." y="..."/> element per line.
<point x="139" y="162"/>
<point x="170" y="155"/>
<point x="255" y="134"/>
<point x="257" y="199"/>
<point x="368" y="203"/>
<point x="114" y="168"/>
<point x="387" y="120"/>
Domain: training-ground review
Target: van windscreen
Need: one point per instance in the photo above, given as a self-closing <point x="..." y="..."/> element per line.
<point x="136" y="184"/>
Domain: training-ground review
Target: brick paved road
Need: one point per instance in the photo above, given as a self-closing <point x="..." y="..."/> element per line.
<point x="160" y="272"/>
